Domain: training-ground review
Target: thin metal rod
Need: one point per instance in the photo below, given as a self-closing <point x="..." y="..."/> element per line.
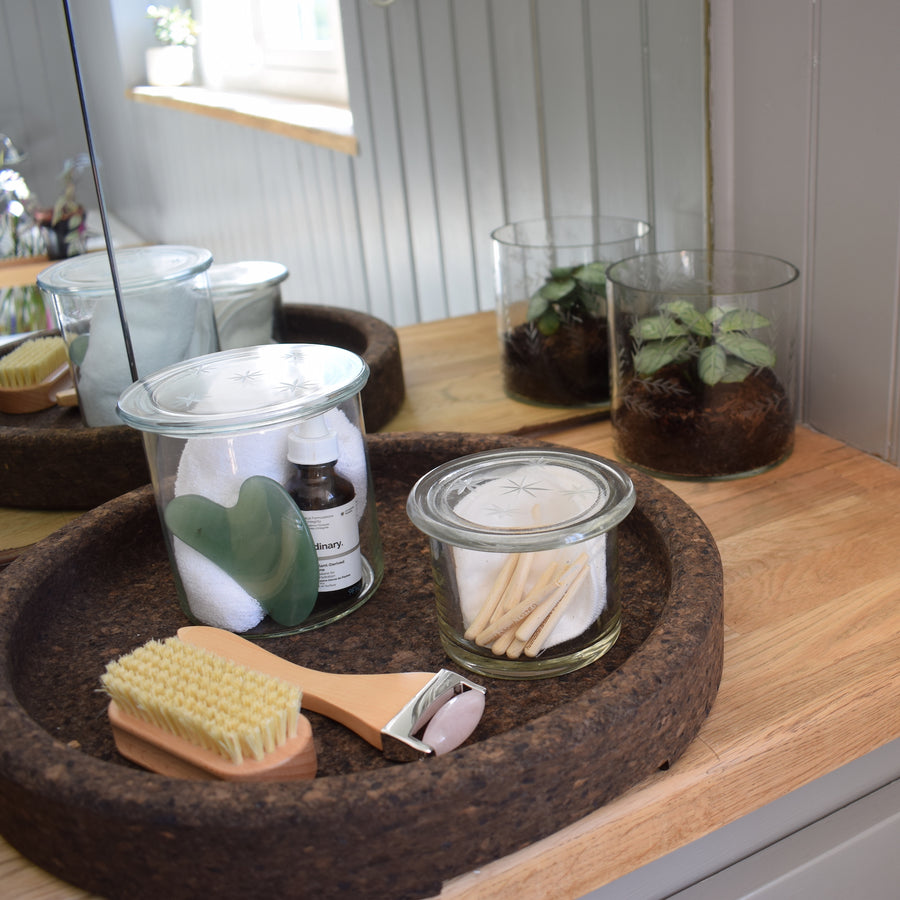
<point x="126" y="334"/>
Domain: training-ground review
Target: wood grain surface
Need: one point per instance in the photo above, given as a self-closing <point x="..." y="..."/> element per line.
<point x="811" y="680"/>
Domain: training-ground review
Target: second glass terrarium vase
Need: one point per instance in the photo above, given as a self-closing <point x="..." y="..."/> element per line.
<point x="705" y="362"/>
<point x="550" y="286"/>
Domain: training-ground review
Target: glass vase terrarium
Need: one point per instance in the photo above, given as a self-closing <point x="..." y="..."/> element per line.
<point x="705" y="359"/>
<point x="551" y="305"/>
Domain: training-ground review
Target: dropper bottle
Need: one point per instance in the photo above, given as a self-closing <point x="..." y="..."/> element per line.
<point x="328" y="503"/>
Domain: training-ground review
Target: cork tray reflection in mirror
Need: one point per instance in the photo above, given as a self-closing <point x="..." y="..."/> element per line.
<point x="545" y="754"/>
<point x="51" y="460"/>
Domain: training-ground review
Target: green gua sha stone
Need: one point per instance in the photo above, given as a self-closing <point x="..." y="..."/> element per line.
<point x="262" y="542"/>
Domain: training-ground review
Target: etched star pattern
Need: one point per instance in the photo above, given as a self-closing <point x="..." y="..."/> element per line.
<point x="188" y="401"/>
<point x="524" y="485"/>
<point x="501" y="512"/>
<point x="199" y="369"/>
<point x="295" y="356"/>
<point x="296" y="388"/>
<point x="247" y="377"/>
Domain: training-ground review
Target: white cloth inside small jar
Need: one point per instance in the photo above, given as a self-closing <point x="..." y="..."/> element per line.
<point x="526" y="498"/>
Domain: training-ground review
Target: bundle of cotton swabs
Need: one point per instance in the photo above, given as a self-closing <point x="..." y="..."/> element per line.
<point x="512" y="622"/>
<point x="206" y="699"/>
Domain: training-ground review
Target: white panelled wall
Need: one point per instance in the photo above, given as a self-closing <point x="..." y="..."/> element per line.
<point x="468" y="113"/>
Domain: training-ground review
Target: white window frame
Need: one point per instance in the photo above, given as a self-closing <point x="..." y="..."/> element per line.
<point x="253" y="46"/>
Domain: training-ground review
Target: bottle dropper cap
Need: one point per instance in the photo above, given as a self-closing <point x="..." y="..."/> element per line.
<point x="311" y="443"/>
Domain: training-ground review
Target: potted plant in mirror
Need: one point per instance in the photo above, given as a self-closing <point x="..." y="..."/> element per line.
<point x="63" y="227"/>
<point x="697" y="391"/>
<point x="172" y="63"/>
<point x="560" y="354"/>
<point x="551" y="305"/>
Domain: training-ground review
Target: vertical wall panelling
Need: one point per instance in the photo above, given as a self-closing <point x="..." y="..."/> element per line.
<point x="676" y="55"/>
<point x="566" y="118"/>
<point x="474" y="27"/>
<point x="856" y="216"/>
<point x="286" y="214"/>
<point x="384" y="123"/>
<point x="316" y="223"/>
<point x="618" y="101"/>
<point x="416" y="141"/>
<point x="370" y="222"/>
<point x="440" y="83"/>
<point x="812" y="135"/>
<point x="519" y="129"/>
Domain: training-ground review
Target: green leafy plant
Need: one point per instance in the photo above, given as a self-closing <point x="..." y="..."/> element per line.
<point x="175" y="27"/>
<point x="718" y="340"/>
<point x="569" y="292"/>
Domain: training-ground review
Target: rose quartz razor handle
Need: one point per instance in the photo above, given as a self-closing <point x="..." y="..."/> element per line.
<point x="387" y="709"/>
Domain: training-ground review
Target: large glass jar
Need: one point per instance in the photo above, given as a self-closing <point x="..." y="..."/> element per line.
<point x="168" y="309"/>
<point x="227" y="436"/>
<point x="705" y="362"/>
<point x="550" y="285"/>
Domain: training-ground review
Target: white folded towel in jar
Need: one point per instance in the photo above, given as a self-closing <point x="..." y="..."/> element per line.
<point x="215" y="467"/>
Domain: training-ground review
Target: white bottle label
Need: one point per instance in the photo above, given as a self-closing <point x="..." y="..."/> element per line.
<point x="336" y="536"/>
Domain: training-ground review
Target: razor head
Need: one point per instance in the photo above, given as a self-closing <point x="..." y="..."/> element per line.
<point x="448" y="709"/>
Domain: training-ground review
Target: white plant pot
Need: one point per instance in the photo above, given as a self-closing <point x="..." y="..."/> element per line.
<point x="170" y="66"/>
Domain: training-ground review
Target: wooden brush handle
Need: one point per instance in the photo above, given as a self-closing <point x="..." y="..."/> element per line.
<point x="166" y="753"/>
<point x="363" y="703"/>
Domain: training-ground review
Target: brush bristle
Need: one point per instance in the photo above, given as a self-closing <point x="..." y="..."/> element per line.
<point x="204" y="698"/>
<point x="30" y="363"/>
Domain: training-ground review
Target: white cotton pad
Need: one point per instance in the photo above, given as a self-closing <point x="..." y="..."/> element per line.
<point x="527" y="498"/>
<point x="215" y="468"/>
<point x="352" y="455"/>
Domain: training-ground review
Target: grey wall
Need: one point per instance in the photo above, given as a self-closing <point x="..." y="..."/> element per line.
<point x="805" y="136"/>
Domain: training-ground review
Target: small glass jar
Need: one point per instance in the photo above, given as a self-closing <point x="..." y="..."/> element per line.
<point x="168" y="308"/>
<point x="523" y="550"/>
<point x="220" y="433"/>
<point x="247" y="301"/>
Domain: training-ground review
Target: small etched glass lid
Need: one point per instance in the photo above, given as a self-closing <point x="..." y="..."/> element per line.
<point x="241" y="389"/>
<point x="245" y="277"/>
<point x="515" y="500"/>
<point x="137" y="268"/>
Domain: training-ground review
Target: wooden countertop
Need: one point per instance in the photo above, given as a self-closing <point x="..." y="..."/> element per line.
<point x="812" y="619"/>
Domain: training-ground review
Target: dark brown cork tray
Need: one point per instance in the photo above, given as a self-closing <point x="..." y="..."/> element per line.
<point x="51" y="460"/>
<point x="545" y="754"/>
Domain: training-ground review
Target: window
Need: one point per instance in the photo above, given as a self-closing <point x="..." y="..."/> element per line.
<point x="290" y="47"/>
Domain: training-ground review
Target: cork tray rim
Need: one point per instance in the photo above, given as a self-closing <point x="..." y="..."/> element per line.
<point x="688" y="634"/>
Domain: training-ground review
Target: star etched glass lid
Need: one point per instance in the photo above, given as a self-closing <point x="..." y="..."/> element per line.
<point x="521" y="499"/>
<point x="243" y="388"/>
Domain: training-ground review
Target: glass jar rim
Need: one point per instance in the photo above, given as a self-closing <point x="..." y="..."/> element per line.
<point x="515" y="234"/>
<point x="244" y="275"/>
<point x="780" y="272"/>
<point x="136" y="268"/>
<point x="244" y="389"/>
<point x="430" y="504"/>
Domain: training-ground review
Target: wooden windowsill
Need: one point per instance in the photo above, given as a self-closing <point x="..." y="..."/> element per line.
<point x="325" y="126"/>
